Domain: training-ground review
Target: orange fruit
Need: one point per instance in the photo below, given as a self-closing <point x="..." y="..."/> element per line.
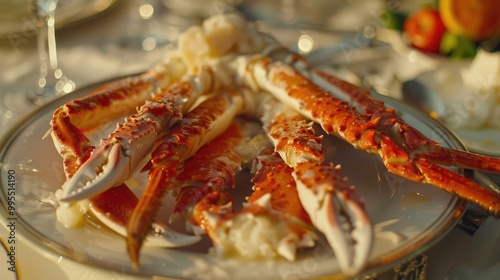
<point x="475" y="19"/>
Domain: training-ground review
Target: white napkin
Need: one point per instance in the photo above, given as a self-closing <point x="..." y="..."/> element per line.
<point x="483" y="76"/>
<point x="481" y="258"/>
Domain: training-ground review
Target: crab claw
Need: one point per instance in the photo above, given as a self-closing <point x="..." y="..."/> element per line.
<point x="337" y="211"/>
<point x="217" y="203"/>
<point x="115" y="161"/>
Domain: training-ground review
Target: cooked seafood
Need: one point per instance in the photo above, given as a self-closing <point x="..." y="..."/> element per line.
<point x="69" y="123"/>
<point x="228" y="61"/>
<point x="201" y="185"/>
<point x="273" y="223"/>
<point x="320" y="186"/>
<point x="203" y="124"/>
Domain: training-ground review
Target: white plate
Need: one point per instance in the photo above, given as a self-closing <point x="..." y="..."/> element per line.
<point x="17" y="21"/>
<point x="408" y="217"/>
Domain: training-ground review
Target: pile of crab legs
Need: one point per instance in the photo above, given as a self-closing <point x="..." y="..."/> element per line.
<point x="188" y="128"/>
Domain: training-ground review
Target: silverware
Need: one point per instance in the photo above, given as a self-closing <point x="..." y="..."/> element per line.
<point x="349" y="51"/>
<point x="414" y="269"/>
<point x="421" y="97"/>
<point x="474" y="217"/>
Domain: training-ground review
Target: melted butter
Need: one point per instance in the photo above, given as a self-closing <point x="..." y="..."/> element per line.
<point x="411" y="200"/>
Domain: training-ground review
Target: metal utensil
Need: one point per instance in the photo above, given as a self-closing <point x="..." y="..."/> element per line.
<point x="348" y="51"/>
<point x="422" y="97"/>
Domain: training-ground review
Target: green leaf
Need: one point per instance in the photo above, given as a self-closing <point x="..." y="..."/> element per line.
<point x="393" y="19"/>
<point x="457" y="47"/>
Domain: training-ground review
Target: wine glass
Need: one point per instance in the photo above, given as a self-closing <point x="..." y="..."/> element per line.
<point x="19" y="100"/>
<point x="52" y="82"/>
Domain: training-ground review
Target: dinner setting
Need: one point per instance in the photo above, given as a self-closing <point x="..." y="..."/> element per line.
<point x="235" y="139"/>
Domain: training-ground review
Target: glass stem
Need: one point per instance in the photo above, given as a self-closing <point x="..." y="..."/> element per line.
<point x="46" y="43"/>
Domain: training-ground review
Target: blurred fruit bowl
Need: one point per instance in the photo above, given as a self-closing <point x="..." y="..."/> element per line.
<point x="453" y="29"/>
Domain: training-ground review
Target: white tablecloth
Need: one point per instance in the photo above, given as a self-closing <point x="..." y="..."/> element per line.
<point x="84" y="57"/>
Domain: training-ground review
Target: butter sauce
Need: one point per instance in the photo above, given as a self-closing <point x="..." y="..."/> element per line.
<point x="412" y="200"/>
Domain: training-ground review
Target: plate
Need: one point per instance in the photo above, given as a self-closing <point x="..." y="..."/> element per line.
<point x="455" y="106"/>
<point x="19" y="22"/>
<point x="408" y="217"/>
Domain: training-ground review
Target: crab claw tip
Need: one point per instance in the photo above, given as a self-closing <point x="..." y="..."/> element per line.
<point x="342" y="218"/>
<point x="166" y="237"/>
<point x="348" y="231"/>
<point x="107" y="167"/>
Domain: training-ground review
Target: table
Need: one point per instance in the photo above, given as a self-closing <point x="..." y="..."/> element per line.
<point x="86" y="56"/>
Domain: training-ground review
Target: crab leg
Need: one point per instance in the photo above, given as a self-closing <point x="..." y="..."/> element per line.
<point x="273" y="222"/>
<point x="125" y="150"/>
<point x="72" y="120"/>
<point x="418" y="143"/>
<point x="337" y="117"/>
<point x="70" y="123"/>
<point x="205" y="175"/>
<point x="198" y="127"/>
<point x="333" y="205"/>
